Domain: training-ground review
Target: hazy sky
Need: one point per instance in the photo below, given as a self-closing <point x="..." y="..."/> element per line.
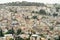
<point x="42" y="1"/>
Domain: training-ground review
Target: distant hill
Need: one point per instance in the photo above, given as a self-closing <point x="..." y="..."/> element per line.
<point x="23" y="3"/>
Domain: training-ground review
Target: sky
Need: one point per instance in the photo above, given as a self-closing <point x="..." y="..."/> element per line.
<point x="41" y="1"/>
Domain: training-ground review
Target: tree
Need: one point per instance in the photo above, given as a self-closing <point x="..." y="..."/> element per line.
<point x="59" y="37"/>
<point x="42" y="12"/>
<point x="34" y="17"/>
<point x="57" y="9"/>
<point x="15" y="11"/>
<point x="11" y="31"/>
<point x="34" y="12"/>
<point x="28" y="38"/>
<point x="18" y="31"/>
<point x="1" y="33"/>
<point x="11" y="39"/>
<point x="19" y="38"/>
<point x="55" y="14"/>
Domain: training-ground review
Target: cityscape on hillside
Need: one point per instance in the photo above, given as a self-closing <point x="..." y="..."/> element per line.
<point x="29" y="21"/>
